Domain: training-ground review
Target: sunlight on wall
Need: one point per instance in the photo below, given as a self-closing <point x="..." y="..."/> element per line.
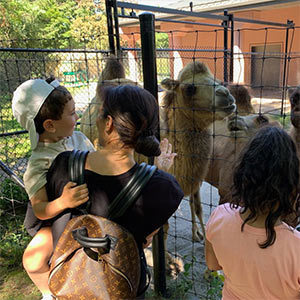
<point x="238" y="65"/>
<point x="178" y="65"/>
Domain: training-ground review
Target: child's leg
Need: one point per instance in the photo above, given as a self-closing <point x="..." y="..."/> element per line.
<point x="36" y="258"/>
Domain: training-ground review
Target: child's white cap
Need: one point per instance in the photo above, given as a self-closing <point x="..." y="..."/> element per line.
<point x="27" y="100"/>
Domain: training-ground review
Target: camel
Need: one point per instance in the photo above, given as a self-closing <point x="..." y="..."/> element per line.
<point x="227" y="149"/>
<point x="191" y="104"/>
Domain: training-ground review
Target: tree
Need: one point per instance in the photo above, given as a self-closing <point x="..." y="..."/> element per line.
<point x="89" y="25"/>
<point x="52" y="24"/>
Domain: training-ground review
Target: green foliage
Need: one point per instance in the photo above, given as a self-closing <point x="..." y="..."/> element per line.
<point x="216" y="282"/>
<point x="9" y="192"/>
<point x="13" y="236"/>
<point x="50" y="23"/>
<point x="184" y="282"/>
<point x="161" y="40"/>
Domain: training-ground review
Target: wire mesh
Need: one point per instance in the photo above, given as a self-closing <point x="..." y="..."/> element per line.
<point x="192" y="109"/>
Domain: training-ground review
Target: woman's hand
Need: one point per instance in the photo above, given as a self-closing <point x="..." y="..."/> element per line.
<point x="166" y="158"/>
<point x="73" y="196"/>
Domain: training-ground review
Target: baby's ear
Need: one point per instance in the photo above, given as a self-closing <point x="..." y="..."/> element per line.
<point x="49" y="126"/>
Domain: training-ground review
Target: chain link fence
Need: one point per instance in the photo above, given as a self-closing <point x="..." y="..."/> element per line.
<point x="265" y="69"/>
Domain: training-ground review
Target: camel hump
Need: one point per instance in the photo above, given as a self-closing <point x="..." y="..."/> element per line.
<point x="113" y="69"/>
<point x="195" y="67"/>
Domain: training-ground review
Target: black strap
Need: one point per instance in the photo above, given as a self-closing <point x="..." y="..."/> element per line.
<point x="127" y="196"/>
<point x="131" y="191"/>
<point x="76" y="166"/>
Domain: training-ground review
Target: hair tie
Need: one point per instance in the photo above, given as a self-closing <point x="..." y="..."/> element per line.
<point x="54" y="83"/>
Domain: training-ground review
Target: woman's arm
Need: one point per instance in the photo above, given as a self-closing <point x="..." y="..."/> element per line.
<point x="210" y="257"/>
<point x="71" y="197"/>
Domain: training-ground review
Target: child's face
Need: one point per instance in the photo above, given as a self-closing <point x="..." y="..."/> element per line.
<point x="66" y="125"/>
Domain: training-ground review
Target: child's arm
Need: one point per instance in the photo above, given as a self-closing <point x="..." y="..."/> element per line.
<point x="72" y="196"/>
<point x="210" y="257"/>
<point x="166" y="158"/>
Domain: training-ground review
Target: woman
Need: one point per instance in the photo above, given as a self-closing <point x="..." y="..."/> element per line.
<point x="127" y="122"/>
<point x="248" y="239"/>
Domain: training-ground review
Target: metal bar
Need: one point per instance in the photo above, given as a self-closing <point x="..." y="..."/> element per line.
<point x="12" y="175"/>
<point x="285" y="67"/>
<point x="147" y="29"/>
<point x="52" y="50"/>
<point x="110" y="29"/>
<point x="173" y="49"/>
<point x="192" y="14"/>
<point x="116" y="20"/>
<point x="169" y="10"/>
<point x="170" y="21"/>
<point x="260" y="22"/>
<point x="225" y="25"/>
<point x="231" y="47"/>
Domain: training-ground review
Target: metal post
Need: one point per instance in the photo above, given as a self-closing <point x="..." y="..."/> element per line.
<point x="147" y="29"/>
<point x="225" y="26"/>
<point x="110" y="29"/>
<point x="231" y="47"/>
<point x="290" y="23"/>
<point x="117" y="34"/>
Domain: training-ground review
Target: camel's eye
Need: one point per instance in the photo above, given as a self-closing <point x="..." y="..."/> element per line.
<point x="190" y="90"/>
<point x="262" y="119"/>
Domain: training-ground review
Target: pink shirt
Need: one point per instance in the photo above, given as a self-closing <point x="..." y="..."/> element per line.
<point x="252" y="272"/>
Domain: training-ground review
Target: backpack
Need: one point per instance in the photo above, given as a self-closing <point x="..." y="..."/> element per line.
<point x="96" y="258"/>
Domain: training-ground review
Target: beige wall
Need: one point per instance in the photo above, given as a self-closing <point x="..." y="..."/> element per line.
<point x="247" y="36"/>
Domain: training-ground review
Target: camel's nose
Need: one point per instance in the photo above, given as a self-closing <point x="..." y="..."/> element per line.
<point x="223" y="96"/>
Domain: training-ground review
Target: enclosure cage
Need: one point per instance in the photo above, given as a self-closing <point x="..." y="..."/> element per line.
<point x="260" y="57"/>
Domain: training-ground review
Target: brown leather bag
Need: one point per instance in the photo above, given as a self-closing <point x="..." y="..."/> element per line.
<point x="96" y="258"/>
<point x="112" y="274"/>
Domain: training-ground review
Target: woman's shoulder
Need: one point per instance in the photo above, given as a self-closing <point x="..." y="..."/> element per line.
<point x="161" y="177"/>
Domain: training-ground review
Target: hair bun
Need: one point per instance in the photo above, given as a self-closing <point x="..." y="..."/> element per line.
<point x="148" y="146"/>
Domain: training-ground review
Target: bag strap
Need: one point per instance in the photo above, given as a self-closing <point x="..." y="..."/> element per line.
<point x="76" y="165"/>
<point x="131" y="191"/>
<point x="127" y="196"/>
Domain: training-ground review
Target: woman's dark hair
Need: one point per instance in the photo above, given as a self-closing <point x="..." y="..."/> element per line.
<point x="135" y="116"/>
<point x="53" y="107"/>
<point x="265" y="180"/>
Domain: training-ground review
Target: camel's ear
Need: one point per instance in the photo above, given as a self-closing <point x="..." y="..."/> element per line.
<point x="170" y="84"/>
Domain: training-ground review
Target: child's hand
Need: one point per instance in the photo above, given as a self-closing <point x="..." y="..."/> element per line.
<point x="166" y="158"/>
<point x="74" y="195"/>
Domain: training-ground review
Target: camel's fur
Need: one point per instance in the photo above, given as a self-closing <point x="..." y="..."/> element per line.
<point x="227" y="149"/>
<point x="191" y="104"/>
<point x="223" y="136"/>
<point x="242" y="99"/>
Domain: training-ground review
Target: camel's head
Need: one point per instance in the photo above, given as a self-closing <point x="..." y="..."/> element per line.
<point x="242" y="99"/>
<point x="294" y="95"/>
<point x="246" y="126"/>
<point x="198" y="90"/>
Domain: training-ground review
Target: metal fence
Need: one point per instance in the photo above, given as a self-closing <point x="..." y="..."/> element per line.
<point x="222" y="52"/>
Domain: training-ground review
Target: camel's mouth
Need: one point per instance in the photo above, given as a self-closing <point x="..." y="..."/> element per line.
<point x="236" y="126"/>
<point x="227" y="109"/>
